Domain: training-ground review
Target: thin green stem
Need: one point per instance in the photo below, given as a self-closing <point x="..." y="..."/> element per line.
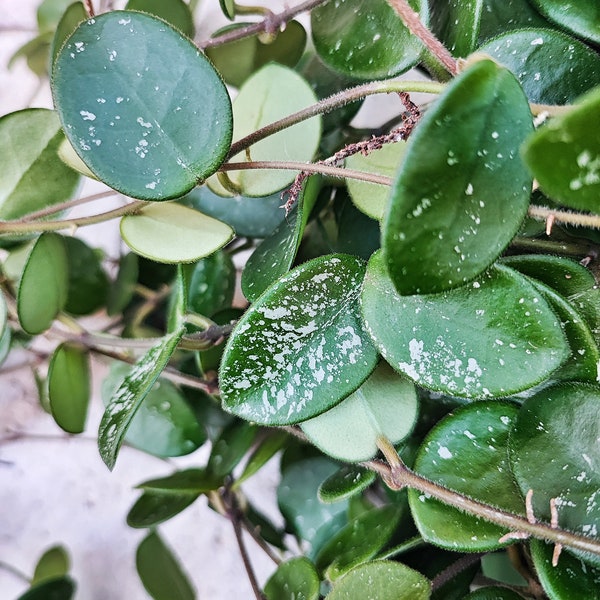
<point x="14" y="571"/>
<point x="55" y="208"/>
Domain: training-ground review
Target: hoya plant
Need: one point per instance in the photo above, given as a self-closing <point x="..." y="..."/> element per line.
<point x="416" y="340"/>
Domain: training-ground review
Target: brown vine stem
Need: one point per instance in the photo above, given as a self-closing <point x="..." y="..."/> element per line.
<point x="415" y="26"/>
<point x="399" y="476"/>
<point x="55" y="208"/>
<point x="543" y="213"/>
<point x="89" y="8"/>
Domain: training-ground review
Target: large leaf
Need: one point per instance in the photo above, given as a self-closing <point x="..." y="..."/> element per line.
<point x="174" y="12"/>
<point x="141" y="105"/>
<point x="127" y="399"/>
<point x="564" y="155"/>
<point x="301" y="347"/>
<point x="443" y="226"/>
<point x="582" y="18"/>
<point x="32" y="176"/>
<point x="494" y="337"/>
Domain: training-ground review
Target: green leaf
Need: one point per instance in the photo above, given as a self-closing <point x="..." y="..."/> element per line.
<point x="346" y="482"/>
<point x="71" y="18"/>
<point x="62" y="588"/>
<point x="209" y="360"/>
<point x="141" y="105"/>
<point x="467" y="452"/>
<point x="69" y="387"/>
<point x="499" y="567"/>
<point x="498" y="16"/>
<point x="493" y="593"/>
<point x="531" y="54"/>
<point x="268" y="95"/>
<point x="301" y="347"/>
<point x="175" y="12"/>
<point x="456" y="23"/>
<point x="36" y="53"/>
<point x="32" y="176"/>
<point x="172" y="233"/>
<point x="568" y="580"/>
<point x="442" y="227"/>
<point x="494" y="337"/>
<point x="180" y="483"/>
<point x="160" y="571"/>
<point x="570" y="474"/>
<point x="366" y="44"/>
<point x="228" y="8"/>
<point x="385" y="405"/>
<point x="269" y="446"/>
<point x="50" y="12"/>
<point x="44" y="284"/>
<point x="52" y="564"/>
<point x="581" y="18"/>
<point x="164" y="424"/>
<point x="358" y="541"/>
<point x="229" y="449"/>
<point x="130" y="395"/>
<point x="3" y="316"/>
<point x="152" y="509"/>
<point x="295" y="579"/>
<point x="381" y="579"/>
<point x="122" y="289"/>
<point x="372" y="198"/>
<point x="564" y="155"/>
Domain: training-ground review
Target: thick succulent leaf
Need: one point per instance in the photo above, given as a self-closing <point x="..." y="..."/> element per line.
<point x="365" y="43"/>
<point x="44" y="284"/>
<point x="385" y="405"/>
<point x="160" y="571"/>
<point x="174" y="12"/>
<point x="301" y="347"/>
<point x="467" y="452"/>
<point x="456" y="23"/>
<point x="32" y="176"/>
<point x="53" y="563"/>
<point x="582" y="18"/>
<point x="381" y="579"/>
<point x="494" y="337"/>
<point x="564" y="418"/>
<point x="129" y="396"/>
<point x="62" y="588"/>
<point x="346" y="482"/>
<point x="172" y="233"/>
<point x="295" y="579"/>
<point x="141" y="105"/>
<point x="151" y="508"/>
<point x="69" y="387"/>
<point x="443" y="226"/>
<point x="564" y="155"/>
<point x="531" y="54"/>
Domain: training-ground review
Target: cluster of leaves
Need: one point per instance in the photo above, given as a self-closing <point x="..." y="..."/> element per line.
<point x="401" y="315"/>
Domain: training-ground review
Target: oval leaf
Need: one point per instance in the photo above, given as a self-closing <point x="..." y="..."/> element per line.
<point x="493" y="593"/>
<point x="188" y="481"/>
<point x="582" y="18"/>
<point x="151" y="508"/>
<point x="172" y="233"/>
<point x="295" y="579"/>
<point x="71" y="18"/>
<point x="346" y="482"/>
<point x="174" y="12"/>
<point x="300" y="348"/>
<point x="141" y="105"/>
<point x="62" y="588"/>
<point x="53" y="563"/>
<point x="456" y="23"/>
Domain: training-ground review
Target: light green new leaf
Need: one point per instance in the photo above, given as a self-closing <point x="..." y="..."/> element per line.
<point x="141" y="105"/>
<point x="172" y="233"/>
<point x="581" y="17"/>
<point x="444" y="226"/>
<point x="53" y="563"/>
<point x="301" y="347"/>
<point x="295" y="579"/>
<point x="130" y="394"/>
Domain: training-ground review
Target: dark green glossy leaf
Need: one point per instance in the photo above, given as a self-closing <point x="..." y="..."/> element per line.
<point x="357" y="234"/>
<point x="493" y="593"/>
<point x="381" y="579"/>
<point x="564" y="155"/>
<point x="456" y="23"/>
<point x="494" y="337"/>
<point x="44" y="284"/>
<point x="367" y="44"/>
<point x="174" y="12"/>
<point x="129" y="396"/>
<point x="499" y="567"/>
<point x="33" y="176"/>
<point x="230" y="448"/>
<point x="552" y="67"/>
<point x="141" y="105"/>
<point x="122" y="290"/>
<point x="499" y="16"/>
<point x="564" y="418"/>
<point x="467" y="452"/>
<point x="568" y="580"/>
<point x="301" y="347"/>
<point x="160" y="571"/>
<point x="346" y="482"/>
<point x="154" y="508"/>
<point x="582" y="18"/>
<point x="358" y="541"/>
<point x="71" y="18"/>
<point x="62" y="588"/>
<point x="385" y="405"/>
<point x="442" y="227"/>
<point x="295" y="579"/>
<point x="180" y="483"/>
<point x="164" y="424"/>
<point x="272" y="444"/>
<point x="52" y="564"/>
<point x="69" y="387"/>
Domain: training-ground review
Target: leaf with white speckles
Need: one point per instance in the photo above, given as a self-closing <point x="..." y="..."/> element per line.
<point x="130" y="394"/>
<point x="301" y="348"/>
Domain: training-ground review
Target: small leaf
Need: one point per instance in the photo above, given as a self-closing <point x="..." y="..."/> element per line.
<point x="442" y="227"/>
<point x="122" y="290"/>
<point x="230" y="448"/>
<point x="160" y="571"/>
<point x="456" y="23"/>
<point x="175" y="12"/>
<point x="180" y="483"/>
<point x="44" y="284"/>
<point x="172" y="233"/>
<point x="300" y="348"/>
<point x="69" y="387"/>
<point x="129" y="396"/>
<point x="564" y="155"/>
<point x="228" y="8"/>
<point x="62" y="588"/>
<point x="581" y="18"/>
<point x="385" y="405"/>
<point x="493" y="593"/>
<point x="152" y="509"/>
<point x="346" y="482"/>
<point x="52" y="564"/>
<point x="498" y="16"/>
<point x="272" y="444"/>
<point x="141" y="105"/>
<point x="295" y="579"/>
